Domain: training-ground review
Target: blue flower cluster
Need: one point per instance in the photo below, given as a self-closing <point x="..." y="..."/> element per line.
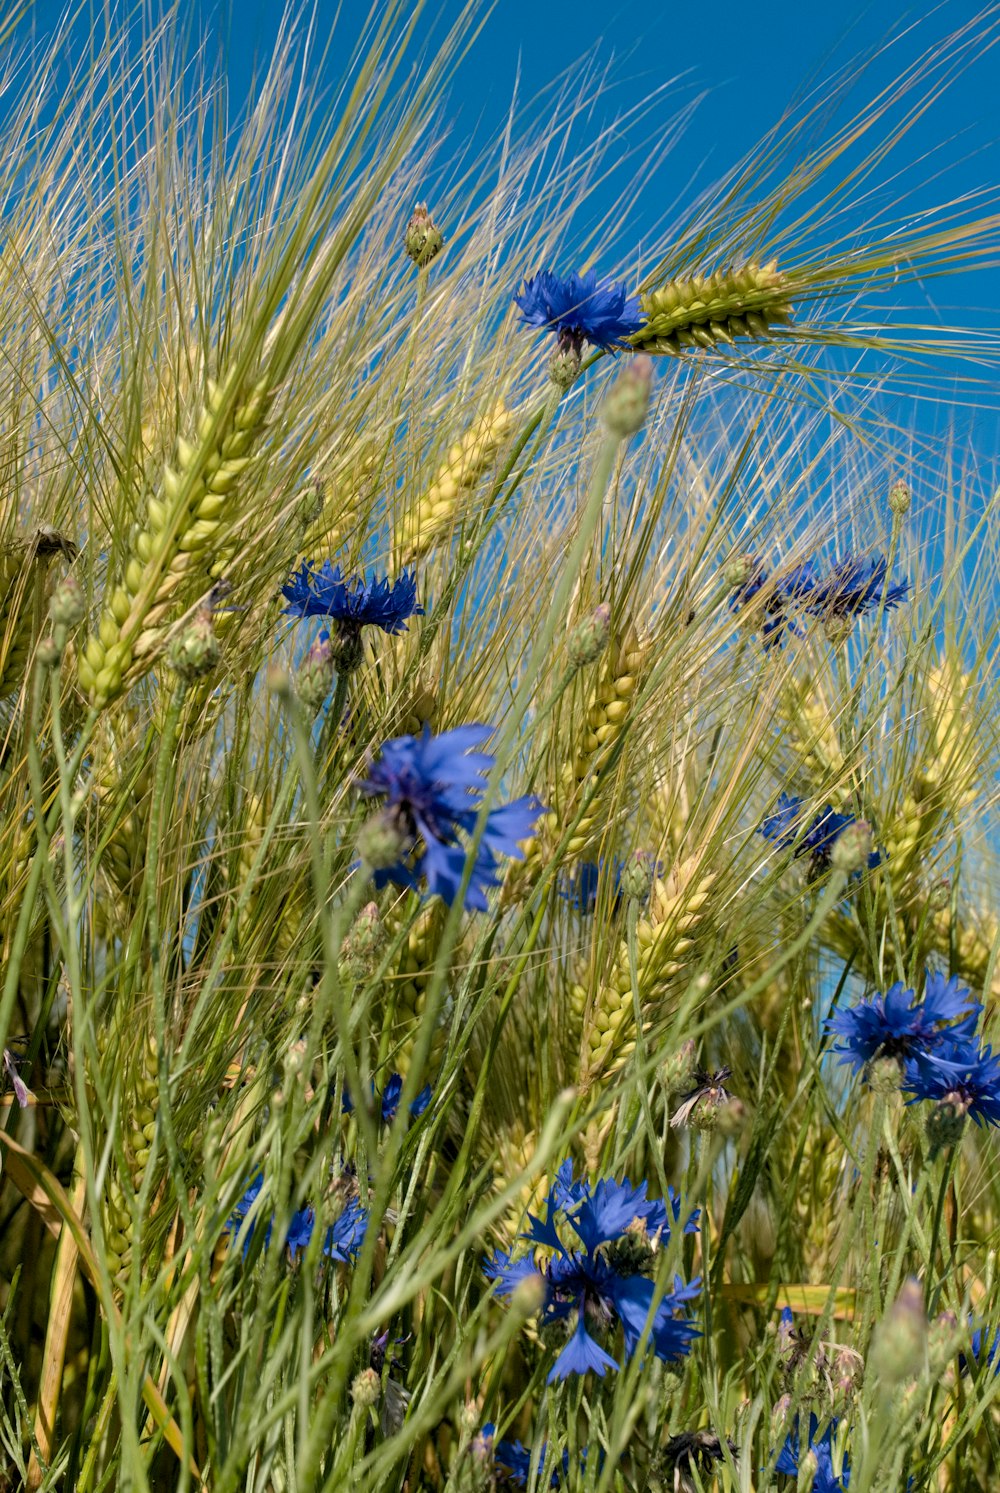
<point x="815" y="837"/>
<point x="433" y="786"/>
<point x="341" y="1242"/>
<point x="825" y="1480"/>
<point x="513" y="1460"/>
<point x="934" y="1040"/>
<point x="581" y="308"/>
<point x="390" y="1097"/>
<point x="352" y="603"/>
<point x="601" y="1284"/>
<point x="853" y="587"/>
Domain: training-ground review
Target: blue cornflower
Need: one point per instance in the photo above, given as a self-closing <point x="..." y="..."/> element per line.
<point x="433" y="787"/>
<point x="352" y="603"/>
<point x="968" y="1083"/>
<point x="581" y="308"/>
<point x="780" y="594"/>
<point x="389" y="1099"/>
<point x="513" y="1459"/>
<point x="817" y="838"/>
<point x="976" y="1347"/>
<point x="826" y="1479"/>
<point x="897" y="1025"/>
<point x="343" y="1238"/>
<point x="855" y="586"/>
<point x="603" y="1283"/>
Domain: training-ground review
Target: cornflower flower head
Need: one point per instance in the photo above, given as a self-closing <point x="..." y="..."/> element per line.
<point x="932" y="1034"/>
<point x="433" y="786"/>
<point x="351" y="604"/>
<point x="768" y="600"/>
<point x="581" y="308"/>
<point x="388" y="1101"/>
<point x="968" y="1084"/>
<point x="854" y="586"/>
<point x="977" y="1345"/>
<point x="341" y="1242"/>
<point x="820" y="1448"/>
<point x="512" y="1459"/>
<point x="816" y="837"/>
<point x="600" y="1278"/>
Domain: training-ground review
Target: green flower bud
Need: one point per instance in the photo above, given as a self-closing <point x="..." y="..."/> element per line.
<point x="589" y="637"/>
<point x="68" y="606"/>
<point x="739" y="570"/>
<point x="366" y="1389"/>
<point x="315" y="677"/>
<point x="945" y="1124"/>
<point x="628" y="401"/>
<point x="196" y="651"/>
<point x="676" y="1073"/>
<point x="362" y="944"/>
<point x="637" y="875"/>
<point x="565" y="363"/>
<point x="381" y="841"/>
<point x="884" y="1075"/>
<point x="838" y="629"/>
<point x="48" y="653"/>
<point x="900" y="1348"/>
<point x="424" y="240"/>
<point x="852" y="847"/>
<point x="899" y="498"/>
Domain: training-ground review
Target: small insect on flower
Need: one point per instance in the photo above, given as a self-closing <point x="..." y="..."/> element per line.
<point x="581" y="308"/>
<point x="433" y="786"/>
<point x="708" y="1095"/>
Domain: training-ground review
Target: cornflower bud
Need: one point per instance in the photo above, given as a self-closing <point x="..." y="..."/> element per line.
<point x="838" y="629"/>
<point x="315" y="677"/>
<point x="628" y="401"/>
<point x="676" y="1073"/>
<point x="852" y="847"/>
<point x="589" y="637"/>
<point x="196" y="651"/>
<point x="424" y="240"/>
<point x="899" y="499"/>
<point x="739" y="570"/>
<point x="366" y="1389"/>
<point x="381" y="841"/>
<point x="945" y="1125"/>
<point x="565" y="362"/>
<point x="884" y="1075"/>
<point x="68" y="606"/>
<point x="528" y="1296"/>
<point x="637" y="875"/>
<point x="900" y="1344"/>
<point x="48" y="653"/>
<point x="362" y="943"/>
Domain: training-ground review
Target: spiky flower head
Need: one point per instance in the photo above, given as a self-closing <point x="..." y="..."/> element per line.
<point x="815" y="837"/>
<point x="68" y="606"/>
<point x="601" y="1284"/>
<point x="581" y="308"/>
<point x="932" y="1034"/>
<point x="433" y="786"/>
<point x="195" y="652"/>
<point x="424" y="239"/>
<point x="514" y="1461"/>
<point x="968" y="1084"/>
<point x="768" y="602"/>
<point x="690" y="1453"/>
<point x="820" y="1451"/>
<point x="352" y="603"/>
<point x="854" y="586"/>
<point x="899" y="499"/>
<point x="314" y="677"/>
<point x="341" y="1242"/>
<point x="590" y="637"/>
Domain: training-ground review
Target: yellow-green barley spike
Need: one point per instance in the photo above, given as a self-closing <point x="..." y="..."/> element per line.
<point x="122" y="800"/>
<point x="665" y="938"/>
<point x="431" y="520"/>
<point x="708" y="310"/>
<point x="608" y="708"/>
<point x="182" y="546"/>
<point x="809" y="730"/>
<point x="409" y="983"/>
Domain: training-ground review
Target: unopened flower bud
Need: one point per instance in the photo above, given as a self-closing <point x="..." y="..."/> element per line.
<point x="68" y="606"/>
<point x="381" y="841"/>
<point x="739" y="570"/>
<point x="589" y="637"/>
<point x="314" y="679"/>
<point x="565" y="363"/>
<point x="730" y="1117"/>
<point x="884" y="1075"/>
<point x="899" y="498"/>
<point x="628" y="400"/>
<point x="424" y="240"/>
<point x="48" y="653"/>
<point x="676" y="1073"/>
<point x="852" y="847"/>
<point x="347" y="648"/>
<point x="939" y="895"/>
<point x="279" y="682"/>
<point x="196" y="651"/>
<point x="945" y="1124"/>
<point x="310" y="503"/>
<point x="637" y="875"/>
<point x="366" y="1389"/>
<point x="528" y="1296"/>
<point x="362" y="943"/>
<point x="838" y="629"/>
<point x="900" y="1346"/>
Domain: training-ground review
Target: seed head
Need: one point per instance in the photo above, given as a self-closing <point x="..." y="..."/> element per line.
<point x="382" y="840"/>
<point x="637" y="875"/>
<point x="853" y="847"/>
<point x="565" y="362"/>
<point x="945" y="1125"/>
<point x="366" y="1389"/>
<point x="424" y="239"/>
<point x="315" y="677"/>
